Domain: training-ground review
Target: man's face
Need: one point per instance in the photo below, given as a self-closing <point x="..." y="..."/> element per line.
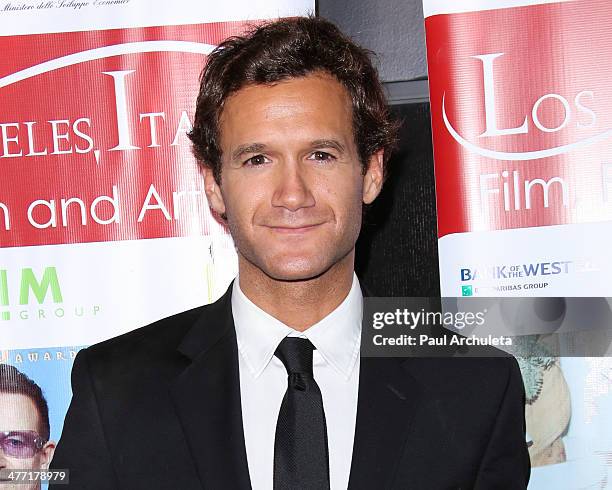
<point x="292" y="184"/>
<point x="18" y="414"/>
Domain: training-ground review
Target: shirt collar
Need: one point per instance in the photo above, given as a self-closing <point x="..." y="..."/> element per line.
<point x="337" y="337"/>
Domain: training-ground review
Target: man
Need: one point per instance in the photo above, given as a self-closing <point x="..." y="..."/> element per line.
<point x="24" y="428"/>
<point x="265" y="388"/>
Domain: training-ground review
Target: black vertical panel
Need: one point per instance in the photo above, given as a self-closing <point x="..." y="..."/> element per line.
<point x="397" y="252"/>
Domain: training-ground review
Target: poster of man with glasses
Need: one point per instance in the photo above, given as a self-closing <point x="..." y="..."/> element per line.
<point x="32" y="405"/>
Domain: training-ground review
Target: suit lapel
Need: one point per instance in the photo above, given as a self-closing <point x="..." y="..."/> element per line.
<point x="207" y="399"/>
<point x="388" y="400"/>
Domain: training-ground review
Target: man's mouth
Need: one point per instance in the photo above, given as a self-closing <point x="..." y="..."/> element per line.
<point x="294" y="229"/>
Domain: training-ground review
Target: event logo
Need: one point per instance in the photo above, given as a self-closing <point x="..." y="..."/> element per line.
<point x="534" y="269"/>
<point x="521" y="115"/>
<point x="519" y="120"/>
<point x="115" y="155"/>
<point x="65" y="130"/>
<point x="569" y="109"/>
<point x="30" y="286"/>
<point x="36" y="295"/>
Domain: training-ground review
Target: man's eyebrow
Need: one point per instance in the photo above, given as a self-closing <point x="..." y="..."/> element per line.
<point x="328" y="144"/>
<point x="247" y="148"/>
<point x="260" y="147"/>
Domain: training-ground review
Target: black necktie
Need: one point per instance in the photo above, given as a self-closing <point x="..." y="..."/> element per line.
<point x="300" y="447"/>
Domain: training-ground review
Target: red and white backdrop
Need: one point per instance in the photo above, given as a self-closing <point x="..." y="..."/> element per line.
<point x="521" y="104"/>
<point x="104" y="226"/>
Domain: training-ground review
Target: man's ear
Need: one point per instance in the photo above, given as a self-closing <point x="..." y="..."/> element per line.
<point x="213" y="192"/>
<point x="47" y="452"/>
<point x="373" y="178"/>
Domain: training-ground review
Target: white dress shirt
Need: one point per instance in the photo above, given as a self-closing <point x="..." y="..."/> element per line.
<point x="263" y="381"/>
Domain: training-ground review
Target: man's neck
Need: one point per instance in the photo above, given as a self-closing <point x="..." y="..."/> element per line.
<point x="298" y="304"/>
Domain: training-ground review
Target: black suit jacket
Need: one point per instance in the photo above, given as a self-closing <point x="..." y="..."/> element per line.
<point x="159" y="408"/>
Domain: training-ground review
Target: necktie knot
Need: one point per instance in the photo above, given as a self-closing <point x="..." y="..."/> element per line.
<point x="296" y="355"/>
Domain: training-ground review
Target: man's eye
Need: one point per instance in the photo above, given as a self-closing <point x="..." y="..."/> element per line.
<point x="321" y="156"/>
<point x="15" y="441"/>
<point x="257" y="160"/>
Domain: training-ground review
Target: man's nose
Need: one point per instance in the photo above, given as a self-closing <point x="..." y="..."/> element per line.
<point x="293" y="187"/>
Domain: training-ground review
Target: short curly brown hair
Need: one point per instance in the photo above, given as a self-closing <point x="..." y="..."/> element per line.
<point x="285" y="49"/>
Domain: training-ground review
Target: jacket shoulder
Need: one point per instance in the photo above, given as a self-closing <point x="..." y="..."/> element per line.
<point x="164" y="334"/>
<point x="469" y="377"/>
<point x="153" y="345"/>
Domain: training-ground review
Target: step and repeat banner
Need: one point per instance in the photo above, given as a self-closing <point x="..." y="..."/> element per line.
<point x="521" y="105"/>
<point x="104" y="225"/>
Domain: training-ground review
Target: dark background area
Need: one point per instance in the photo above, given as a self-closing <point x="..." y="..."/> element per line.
<point x="397" y="252"/>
